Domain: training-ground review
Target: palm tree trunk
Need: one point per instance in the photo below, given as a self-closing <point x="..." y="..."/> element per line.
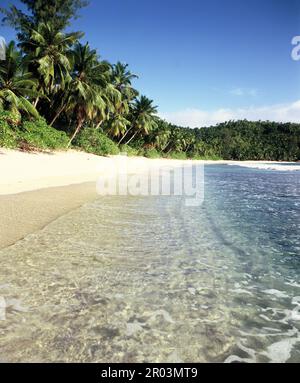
<point x="165" y="147"/>
<point x="187" y="148"/>
<point x="79" y="125"/>
<point x="57" y="115"/>
<point x="125" y="135"/>
<point x="36" y="102"/>
<point x="99" y="124"/>
<point x="128" y="142"/>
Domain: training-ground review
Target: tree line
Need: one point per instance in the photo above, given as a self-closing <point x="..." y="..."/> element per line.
<point x="56" y="91"/>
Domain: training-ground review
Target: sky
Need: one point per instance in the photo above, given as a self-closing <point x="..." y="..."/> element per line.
<point x="202" y="61"/>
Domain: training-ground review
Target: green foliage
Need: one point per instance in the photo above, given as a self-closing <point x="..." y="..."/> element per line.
<point x="8" y="134"/>
<point x="131" y="152"/>
<point x="51" y="74"/>
<point x="96" y="142"/>
<point x="246" y="140"/>
<point x="152" y="153"/>
<point x="11" y="118"/>
<point x="233" y="140"/>
<point x="90" y="93"/>
<point x="16" y="84"/>
<point x="46" y="49"/>
<point x="57" y="12"/>
<point x="143" y="117"/>
<point x="37" y="134"/>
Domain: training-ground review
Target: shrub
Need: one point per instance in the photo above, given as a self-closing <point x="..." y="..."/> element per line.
<point x="131" y="152"/>
<point x="12" y="118"/>
<point x="8" y="132"/>
<point x="178" y="156"/>
<point x="152" y="153"/>
<point x="8" y="137"/>
<point x="96" y="142"/>
<point x="37" y="134"/>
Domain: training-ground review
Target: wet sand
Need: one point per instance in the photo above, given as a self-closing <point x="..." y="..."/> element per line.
<point x="24" y="213"/>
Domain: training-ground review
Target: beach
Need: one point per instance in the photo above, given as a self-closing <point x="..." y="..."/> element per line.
<point x="20" y="171"/>
<point x="36" y="188"/>
<point x="149" y="203"/>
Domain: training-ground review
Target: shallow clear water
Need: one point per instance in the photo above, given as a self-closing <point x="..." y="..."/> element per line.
<point x="147" y="279"/>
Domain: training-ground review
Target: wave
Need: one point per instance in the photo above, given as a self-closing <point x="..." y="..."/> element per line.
<point x="284" y="166"/>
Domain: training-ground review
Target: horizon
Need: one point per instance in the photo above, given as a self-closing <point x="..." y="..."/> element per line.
<point x="200" y="63"/>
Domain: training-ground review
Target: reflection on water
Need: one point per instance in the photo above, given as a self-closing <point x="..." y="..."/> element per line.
<point x="146" y="279"/>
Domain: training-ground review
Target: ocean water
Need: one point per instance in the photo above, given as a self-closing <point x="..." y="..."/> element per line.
<point x="147" y="279"/>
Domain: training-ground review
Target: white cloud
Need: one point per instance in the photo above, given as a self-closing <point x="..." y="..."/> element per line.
<point x="199" y="118"/>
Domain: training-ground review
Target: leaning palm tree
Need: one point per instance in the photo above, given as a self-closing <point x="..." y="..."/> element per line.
<point x="17" y="87"/>
<point x="143" y="117"/>
<point x="118" y="125"/>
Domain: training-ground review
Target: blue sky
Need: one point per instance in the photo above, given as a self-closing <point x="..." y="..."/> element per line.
<point x="202" y="61"/>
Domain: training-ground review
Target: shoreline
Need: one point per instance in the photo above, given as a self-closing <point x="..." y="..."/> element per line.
<point x="37" y="188"/>
<point x="22" y="172"/>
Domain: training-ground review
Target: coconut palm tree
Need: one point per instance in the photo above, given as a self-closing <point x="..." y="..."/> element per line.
<point x="162" y="136"/>
<point x="89" y="91"/>
<point x="17" y="87"/>
<point x="143" y="118"/>
<point x="46" y="55"/>
<point x="121" y="79"/>
<point x="118" y="125"/>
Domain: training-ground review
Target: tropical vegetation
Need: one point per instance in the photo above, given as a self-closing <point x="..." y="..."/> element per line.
<point x="57" y="92"/>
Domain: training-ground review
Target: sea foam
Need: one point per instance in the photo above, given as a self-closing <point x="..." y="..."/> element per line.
<point x="284" y="166"/>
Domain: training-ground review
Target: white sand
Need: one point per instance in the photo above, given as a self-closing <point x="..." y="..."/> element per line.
<point x="20" y="172"/>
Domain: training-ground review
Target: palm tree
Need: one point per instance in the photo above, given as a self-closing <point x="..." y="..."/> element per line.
<point x="16" y="85"/>
<point x="143" y="117"/>
<point x="89" y="90"/>
<point x="178" y="139"/>
<point x="121" y="79"/>
<point x="162" y="136"/>
<point x="118" y="125"/>
<point x="46" y="55"/>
